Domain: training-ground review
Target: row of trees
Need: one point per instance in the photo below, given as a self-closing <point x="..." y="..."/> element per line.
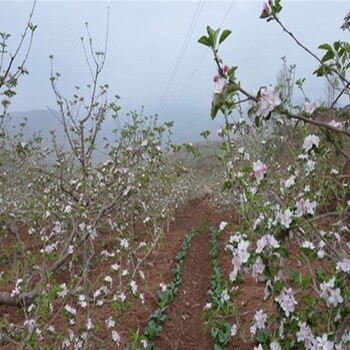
<point x="74" y="232"/>
<point x="287" y="172"/>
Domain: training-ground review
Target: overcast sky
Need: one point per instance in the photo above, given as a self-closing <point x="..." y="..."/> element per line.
<point x="146" y="38"/>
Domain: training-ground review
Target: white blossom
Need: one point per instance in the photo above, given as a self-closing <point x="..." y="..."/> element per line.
<point x="133" y="286"/>
<point x="259" y="170"/>
<point x="287" y="301"/>
<point x="222" y="225"/>
<point x="310" y="106"/>
<point x="220" y="85"/>
<point x="335" y="124"/>
<point x="70" y="309"/>
<point x="268" y="101"/>
<point x="116" y="337"/>
<point x="311" y="141"/>
<point x="343" y="265"/>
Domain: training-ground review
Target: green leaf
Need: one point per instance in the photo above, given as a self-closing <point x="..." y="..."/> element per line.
<point x="325" y="47"/>
<point x="278" y="285"/>
<point x="204" y="40"/>
<point x="214" y="111"/>
<point x="336" y="45"/>
<point x="210" y="32"/>
<point x="227" y="185"/>
<point x="277" y="6"/>
<point x="205" y="133"/>
<point x="215" y="38"/>
<point x="32" y="27"/>
<point x="232" y="88"/>
<point x="262" y="336"/>
<point x="320" y="273"/>
<point x="328" y="56"/>
<point x="224" y="35"/>
<point x="347" y="47"/>
<point x="284" y="252"/>
<point x="231" y="72"/>
<point x="257" y="121"/>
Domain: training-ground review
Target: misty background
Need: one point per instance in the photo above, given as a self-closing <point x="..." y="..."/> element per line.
<point x="153" y="58"/>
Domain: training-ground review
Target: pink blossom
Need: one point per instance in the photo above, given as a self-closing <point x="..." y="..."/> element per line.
<point x="275" y="345"/>
<point x="260" y="319"/>
<point x="265" y="10"/>
<point x="242" y="250"/>
<point x="346" y="22"/>
<point x="259" y="170"/>
<point x="304" y="207"/>
<point x="269" y="100"/>
<point x="219" y="132"/>
<point x="258" y="267"/>
<point x="335" y="124"/>
<point x="110" y="323"/>
<point x="285" y="218"/>
<point x="261" y="244"/>
<point x="310" y="106"/>
<point x="223" y="69"/>
<point x="329" y="294"/>
<point x="220" y="86"/>
<point x="324" y="344"/>
<point x="272" y="241"/>
<point x="305" y="335"/>
<point x="344" y="265"/>
<point x="287" y="301"/>
<point x="265" y="241"/>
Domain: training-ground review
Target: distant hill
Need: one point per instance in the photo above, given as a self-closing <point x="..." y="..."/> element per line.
<point x="36" y="121"/>
<point x="188" y="124"/>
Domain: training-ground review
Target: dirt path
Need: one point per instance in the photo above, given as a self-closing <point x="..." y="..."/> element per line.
<point x="183" y="330"/>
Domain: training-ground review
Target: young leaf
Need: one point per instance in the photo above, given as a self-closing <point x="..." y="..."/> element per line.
<point x="328" y="56"/>
<point x="210" y="32"/>
<point x="325" y="47"/>
<point x="224" y="35"/>
<point x="214" y="110"/>
<point x="205" y="133"/>
<point x="205" y="41"/>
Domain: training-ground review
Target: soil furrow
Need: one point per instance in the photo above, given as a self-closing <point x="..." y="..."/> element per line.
<point x="183" y="329"/>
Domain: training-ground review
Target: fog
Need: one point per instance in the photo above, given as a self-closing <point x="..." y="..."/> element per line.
<point x="144" y="43"/>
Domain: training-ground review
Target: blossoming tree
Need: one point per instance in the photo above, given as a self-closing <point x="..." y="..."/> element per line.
<point x="293" y="199"/>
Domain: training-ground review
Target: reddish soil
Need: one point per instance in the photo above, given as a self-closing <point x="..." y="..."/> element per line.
<point x="183" y="327"/>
